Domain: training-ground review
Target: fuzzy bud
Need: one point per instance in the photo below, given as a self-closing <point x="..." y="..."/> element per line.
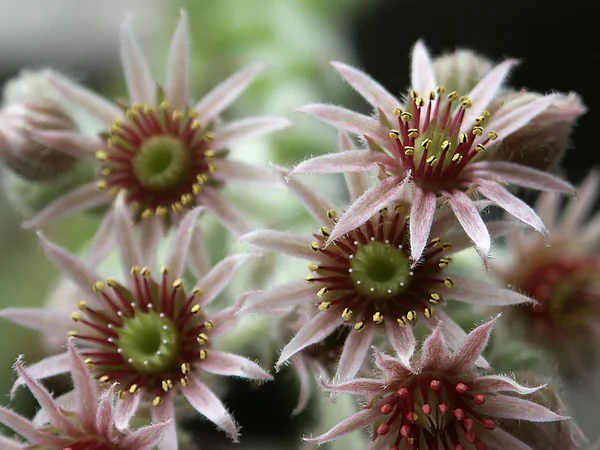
<point x="461" y="70"/>
<point x="31" y="104"/>
<point x="542" y="143"/>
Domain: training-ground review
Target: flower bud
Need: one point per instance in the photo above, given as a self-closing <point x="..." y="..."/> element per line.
<point x="542" y="142"/>
<point x="461" y="70"/>
<point x="31" y="104"/>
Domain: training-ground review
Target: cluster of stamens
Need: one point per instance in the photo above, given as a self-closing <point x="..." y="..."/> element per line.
<point x="160" y="157"/>
<point x="429" y="141"/>
<point x="366" y="274"/>
<point x="148" y="339"/>
<point x="434" y="413"/>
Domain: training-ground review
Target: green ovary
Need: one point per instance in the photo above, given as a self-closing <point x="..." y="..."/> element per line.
<point x="149" y="342"/>
<point x="379" y="270"/>
<point x="163" y="162"/>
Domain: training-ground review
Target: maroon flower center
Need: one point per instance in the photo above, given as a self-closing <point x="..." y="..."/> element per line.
<point x="160" y="157"/>
<point x="433" y="409"/>
<point x="149" y="339"/>
<point x="429" y="141"/>
<point x="366" y="275"/>
<point x="567" y="292"/>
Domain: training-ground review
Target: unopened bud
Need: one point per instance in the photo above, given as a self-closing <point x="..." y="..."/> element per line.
<point x="461" y="70"/>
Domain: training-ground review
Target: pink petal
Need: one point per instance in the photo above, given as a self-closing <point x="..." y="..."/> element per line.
<point x="85" y="386"/>
<point x="356" y="182"/>
<point x="138" y="78"/>
<point x="230" y="170"/>
<point x="9" y="444"/>
<point x="485" y="91"/>
<point x="177" y="88"/>
<point x="198" y="258"/>
<point x="282" y="242"/>
<point x="348" y="161"/>
<point x="434" y="353"/>
<point x="520" y="175"/>
<point x="514" y="206"/>
<point x="468" y="216"/>
<point x="44" y="398"/>
<point x="145" y="438"/>
<point x="209" y="405"/>
<point x="315" y="330"/>
<point x="252" y="127"/>
<point x="128" y="248"/>
<point x="125" y="410"/>
<point x="401" y="338"/>
<point x="46" y="368"/>
<point x="422" y="77"/>
<point x="70" y="142"/>
<point x="105" y="412"/>
<point x="220" y="275"/>
<point x="316" y="204"/>
<point x="180" y="246"/>
<point x="26" y="429"/>
<point x="501" y="439"/>
<point x="353" y="122"/>
<point x="421" y="214"/>
<point x="499" y="383"/>
<point x="578" y="210"/>
<point x="224" y="210"/>
<point x="354" y="353"/>
<point x="355" y="422"/>
<point x="472" y="348"/>
<point x="226" y="93"/>
<point x="82" y="198"/>
<point x="370" y="203"/>
<point x="221" y="363"/>
<point x="485" y="294"/>
<point x="152" y="230"/>
<point x="164" y="415"/>
<point x="39" y="319"/>
<point x="362" y="387"/>
<point x="509" y="407"/>
<point x="103" y="240"/>
<point x="285" y="295"/>
<point x="97" y="106"/>
<point x="65" y="401"/>
<point x="304" y="381"/>
<point x="393" y="367"/>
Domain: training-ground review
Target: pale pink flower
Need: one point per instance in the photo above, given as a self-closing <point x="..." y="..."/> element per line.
<point x="438" y="401"/>
<point x="151" y="335"/>
<point x="561" y="276"/>
<point x="90" y="426"/>
<point x="435" y="141"/>
<point x="167" y="153"/>
<point x="365" y="280"/>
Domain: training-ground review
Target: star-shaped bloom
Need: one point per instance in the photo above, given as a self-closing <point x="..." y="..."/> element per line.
<point x="165" y="152"/>
<point x="365" y="279"/>
<point x="440" y="143"/>
<point x="90" y="426"/>
<point x="151" y="335"/>
<point x="439" y="401"/>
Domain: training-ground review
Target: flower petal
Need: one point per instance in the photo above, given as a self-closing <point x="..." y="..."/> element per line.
<point x="501" y="439"/>
<point x="356" y="182"/>
<point x="499" y="383"/>
<point x="79" y="199"/>
<point x="484" y="294"/>
<point x="285" y="295"/>
<point x="26" y="429"/>
<point x="177" y="88"/>
<point x="395" y="368"/>
<point x="128" y="248"/>
<point x="354" y="353"/>
<point x="252" y="127"/>
<point x="370" y="203"/>
<point x="509" y="407"/>
<point x="70" y="142"/>
<point x="147" y="437"/>
<point x="180" y="246"/>
<point x="226" y="93"/>
<point x="513" y="205"/>
<point x="103" y="240"/>
<point x="421" y="213"/>
<point x="105" y="413"/>
<point x="280" y="241"/>
<point x="227" y="214"/>
<point x="577" y="210"/>
<point x="164" y="414"/>
<point x="304" y="381"/>
<point x="373" y="92"/>
<point x="198" y="258"/>
<point x="9" y="444"/>
<point x="315" y="330"/>
<point x="219" y="276"/>
<point x="138" y="78"/>
<point x="85" y="386"/>
<point x="422" y="76"/>
<point x="434" y="353"/>
<point x="363" y="387"/>
<point x="125" y="410"/>
<point x="348" y="161"/>
<point x="221" y="363"/>
<point x="472" y="348"/>
<point x="152" y="230"/>
<point x="46" y="368"/>
<point x="230" y="170"/>
<point x="209" y="405"/>
<point x="485" y="91"/>
<point x="355" y="422"/>
<point x="470" y="219"/>
<point x="401" y="338"/>
<point x="39" y="319"/>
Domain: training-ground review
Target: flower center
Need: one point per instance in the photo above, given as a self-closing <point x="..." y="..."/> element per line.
<point x="162" y="162"/>
<point x="379" y="270"/>
<point x="149" y="342"/>
<point x="433" y="141"/>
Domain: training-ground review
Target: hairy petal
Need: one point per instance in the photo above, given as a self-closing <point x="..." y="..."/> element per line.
<point x="138" y="78"/>
<point x="485" y="294"/>
<point x="422" y="77"/>
<point x="501" y="439"/>
<point x="147" y="437"/>
<point x="46" y="368"/>
<point x="85" y="386"/>
<point x="177" y="88"/>
<point x="355" y="422"/>
<point x="348" y="161"/>
<point x="470" y="219"/>
<point x="128" y="248"/>
<point x="26" y="429"/>
<point x="472" y="347"/>
<point x="421" y="214"/>
<point x="509" y="407"/>
<point x="304" y="381"/>
<point x="356" y="182"/>
<point x="500" y="383"/>
<point x="401" y="338"/>
<point x="227" y="214"/>
<point x="125" y="410"/>
<point x="359" y="386"/>
<point x="103" y="240"/>
<point x="252" y="127"/>
<point x="105" y="412"/>
<point x="280" y="241"/>
<point x="354" y="353"/>
<point x="221" y="363"/>
<point x="38" y="319"/>
<point x="577" y="210"/>
<point x="180" y="246"/>
<point x="164" y="415"/>
<point x="435" y="353"/>
<point x="282" y="296"/>
<point x="231" y="170"/>
<point x="198" y="258"/>
<point x="69" y="142"/>
<point x="219" y="276"/>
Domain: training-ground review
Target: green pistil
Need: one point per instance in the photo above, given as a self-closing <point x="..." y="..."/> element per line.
<point x="380" y="270"/>
<point x="149" y="342"/>
<point x="163" y="162"/>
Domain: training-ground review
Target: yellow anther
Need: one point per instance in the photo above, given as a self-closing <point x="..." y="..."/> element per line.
<point x="167" y="385"/>
<point x="82" y="305"/>
<point x="446" y="245"/>
<point x="202" y="339"/>
<point x="101" y="155"/>
<point x="187" y="199"/>
<point x="72" y="333"/>
<point x="135" y="206"/>
<point x="164" y="105"/>
<point x="428" y="312"/>
<point x="161" y="211"/>
<point x="76" y="316"/>
<point x="486" y="114"/>
<point x="98" y="286"/>
<point x="146" y="272"/>
<point x="101" y="184"/>
<point x="210" y="136"/>
<point x="104" y="378"/>
<point x="431" y="160"/>
<point x="448" y="282"/>
<point x="457" y="158"/>
<point x="441" y="90"/>
<point x="378" y="317"/>
<point x="401" y="321"/>
<point x="313" y="267"/>
<point x="414" y="94"/>
<point x="443" y="263"/>
<point x="463" y="137"/>
<point x="106" y="171"/>
<point x="432" y="95"/>
<point x="408" y="150"/>
<point x="480" y="120"/>
<point x="446" y="145"/>
<point x="315" y="246"/>
<point x="88" y="362"/>
<point x="209" y="325"/>
<point x="397" y="112"/>
<point x="111" y="282"/>
<point x="383" y="212"/>
<point x="477" y="130"/>
<point x="203" y="354"/>
<point x="184" y="381"/>
<point x="178" y="284"/>
<point x="411" y="315"/>
<point x="185" y="368"/>
<point x="122" y="395"/>
<point x="452" y="96"/>
<point x="435" y="298"/>
<point x="176" y="115"/>
<point x="324" y="306"/>
<point x="466" y="102"/>
<point x="157" y="400"/>
<point x="322" y="292"/>
<point x="196" y="188"/>
<point x="133" y="389"/>
<point x="405" y="116"/>
<point x="493" y="135"/>
<point x="480" y="148"/>
<point x="420" y="102"/>
<point x="394" y="134"/>
<point x="435" y="242"/>
<point x="331" y="213"/>
<point x="177" y="206"/>
<point x="359" y="326"/>
<point x="147" y="213"/>
<point x="310" y="278"/>
<point x="212" y="168"/>
<point x="399" y="208"/>
<point x="347" y="314"/>
<point x="426" y="144"/>
<point x="413" y="132"/>
<point x="196" y="292"/>
<point x="325" y="231"/>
